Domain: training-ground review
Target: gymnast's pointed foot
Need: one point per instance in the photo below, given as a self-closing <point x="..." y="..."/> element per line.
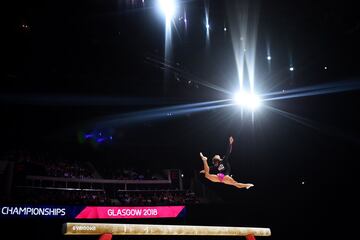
<point x="249" y="185"/>
<point x="244" y="185"/>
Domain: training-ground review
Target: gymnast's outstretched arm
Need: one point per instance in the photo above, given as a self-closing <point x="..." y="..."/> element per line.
<point x="228" y="151"/>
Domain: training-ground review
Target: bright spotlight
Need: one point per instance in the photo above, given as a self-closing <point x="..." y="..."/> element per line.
<point x="269" y="58"/>
<point x="248" y="100"/>
<point x="291" y="69"/>
<point x="168" y="7"/>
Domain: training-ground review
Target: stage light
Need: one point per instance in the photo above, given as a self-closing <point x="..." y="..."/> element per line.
<point x="269" y="58"/>
<point x="291" y="69"/>
<point x="225" y="29"/>
<point x="248" y="100"/>
<point x="168" y="7"/>
<point x="207" y="26"/>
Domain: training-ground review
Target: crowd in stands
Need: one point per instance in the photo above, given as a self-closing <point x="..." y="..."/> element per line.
<point x="45" y="164"/>
<point x="67" y="170"/>
<point x="100" y="197"/>
<point x="59" y="192"/>
<point x="51" y="196"/>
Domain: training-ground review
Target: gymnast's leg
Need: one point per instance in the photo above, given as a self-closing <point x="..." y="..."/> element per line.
<point x="230" y="181"/>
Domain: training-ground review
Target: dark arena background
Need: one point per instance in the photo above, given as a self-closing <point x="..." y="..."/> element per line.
<point x="107" y="104"/>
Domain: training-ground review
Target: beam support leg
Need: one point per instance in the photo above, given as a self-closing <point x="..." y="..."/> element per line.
<point x="250" y="237"/>
<point x="106" y="236"/>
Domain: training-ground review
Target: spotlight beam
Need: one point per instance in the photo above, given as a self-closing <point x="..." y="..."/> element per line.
<point x="159" y="113"/>
<point x="244" y="23"/>
<point x="312" y="91"/>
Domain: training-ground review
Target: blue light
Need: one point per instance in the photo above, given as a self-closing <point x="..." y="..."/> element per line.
<point x="87" y="136"/>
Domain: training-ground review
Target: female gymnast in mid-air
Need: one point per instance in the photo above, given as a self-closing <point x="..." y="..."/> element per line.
<point x="222" y="167"/>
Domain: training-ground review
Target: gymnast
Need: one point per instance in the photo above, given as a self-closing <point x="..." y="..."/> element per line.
<point x="222" y="168"/>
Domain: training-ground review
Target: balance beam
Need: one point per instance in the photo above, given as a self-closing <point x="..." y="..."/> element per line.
<point x="107" y="230"/>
